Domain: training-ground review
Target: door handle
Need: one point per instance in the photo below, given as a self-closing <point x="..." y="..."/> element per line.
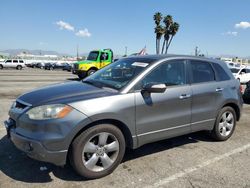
<point x="185" y="96"/>
<point x="219" y="89"/>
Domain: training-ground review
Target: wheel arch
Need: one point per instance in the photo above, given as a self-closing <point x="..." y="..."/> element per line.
<point x="122" y="126"/>
<point x="236" y="109"/>
<point x="93" y="68"/>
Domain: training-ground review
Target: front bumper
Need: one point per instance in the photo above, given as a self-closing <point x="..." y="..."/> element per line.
<point x="35" y="149"/>
<point x="45" y="140"/>
<point x="79" y="72"/>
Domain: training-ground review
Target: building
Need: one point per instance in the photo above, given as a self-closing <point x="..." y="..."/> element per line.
<point x="235" y="60"/>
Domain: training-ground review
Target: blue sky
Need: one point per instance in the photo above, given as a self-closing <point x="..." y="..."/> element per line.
<point x="54" y="24"/>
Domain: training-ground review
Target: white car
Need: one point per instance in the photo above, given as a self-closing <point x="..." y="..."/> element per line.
<point x="13" y="63"/>
<point x="242" y="73"/>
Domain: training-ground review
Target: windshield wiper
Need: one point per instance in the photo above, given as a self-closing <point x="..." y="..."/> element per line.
<point x="92" y="82"/>
<point x="99" y="84"/>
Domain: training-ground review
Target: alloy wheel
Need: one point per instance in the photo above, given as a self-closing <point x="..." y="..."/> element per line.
<point x="226" y="123"/>
<point x="100" y="152"/>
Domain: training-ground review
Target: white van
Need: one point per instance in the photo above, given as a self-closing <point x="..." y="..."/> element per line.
<point x="13" y="63"/>
<point x="242" y="73"/>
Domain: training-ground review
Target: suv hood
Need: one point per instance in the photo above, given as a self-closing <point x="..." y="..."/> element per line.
<point x="64" y="93"/>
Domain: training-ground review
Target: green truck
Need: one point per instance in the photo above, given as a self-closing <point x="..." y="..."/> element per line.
<point x="96" y="60"/>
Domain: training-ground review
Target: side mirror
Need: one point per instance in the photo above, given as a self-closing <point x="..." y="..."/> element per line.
<point x="155" y="88"/>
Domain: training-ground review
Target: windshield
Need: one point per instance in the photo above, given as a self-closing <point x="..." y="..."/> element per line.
<point x="118" y="74"/>
<point x="234" y="70"/>
<point x="93" y="56"/>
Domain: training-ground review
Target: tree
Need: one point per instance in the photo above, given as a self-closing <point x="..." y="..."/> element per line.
<point x="158" y="30"/>
<point x="173" y="29"/>
<point x="168" y="31"/>
<point x="168" y="21"/>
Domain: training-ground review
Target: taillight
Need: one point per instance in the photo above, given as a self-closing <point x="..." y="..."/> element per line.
<point x="241" y="88"/>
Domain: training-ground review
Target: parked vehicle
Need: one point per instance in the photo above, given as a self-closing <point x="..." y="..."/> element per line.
<point x="13" y="63"/>
<point x="246" y="95"/>
<point x="129" y="103"/>
<point x="48" y="66"/>
<point x="96" y="60"/>
<point x="39" y="65"/>
<point x="67" y="67"/>
<point x="52" y="66"/>
<point x="242" y="74"/>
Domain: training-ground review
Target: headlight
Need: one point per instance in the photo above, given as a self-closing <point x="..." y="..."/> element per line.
<point x="49" y="112"/>
<point x="13" y="104"/>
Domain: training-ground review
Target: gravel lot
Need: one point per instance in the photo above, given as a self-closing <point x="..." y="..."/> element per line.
<point x="193" y="160"/>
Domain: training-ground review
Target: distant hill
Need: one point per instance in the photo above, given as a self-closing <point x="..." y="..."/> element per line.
<point x="14" y="52"/>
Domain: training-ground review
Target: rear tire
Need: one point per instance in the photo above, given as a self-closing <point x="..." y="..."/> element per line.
<point x="225" y="124"/>
<point x="97" y="151"/>
<point x="19" y="67"/>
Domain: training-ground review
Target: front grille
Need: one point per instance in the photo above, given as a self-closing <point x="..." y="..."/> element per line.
<point x="76" y="66"/>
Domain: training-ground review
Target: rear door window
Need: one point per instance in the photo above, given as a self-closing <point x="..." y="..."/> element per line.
<point x="15" y="61"/>
<point x="201" y="72"/>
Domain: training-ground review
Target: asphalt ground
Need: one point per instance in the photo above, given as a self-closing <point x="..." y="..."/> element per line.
<point x="193" y="160"/>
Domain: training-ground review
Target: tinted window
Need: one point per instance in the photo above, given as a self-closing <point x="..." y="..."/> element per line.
<point x="221" y="73"/>
<point x="169" y="73"/>
<point x="234" y="70"/>
<point x="243" y="70"/>
<point x="20" y="61"/>
<point x="15" y="61"/>
<point x="8" y="61"/>
<point x="202" y="72"/>
<point x="93" y="56"/>
<point x="248" y="70"/>
<point x="104" y="56"/>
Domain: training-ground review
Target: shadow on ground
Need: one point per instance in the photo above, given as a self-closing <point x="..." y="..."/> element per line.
<point x="16" y="165"/>
<point x="73" y="79"/>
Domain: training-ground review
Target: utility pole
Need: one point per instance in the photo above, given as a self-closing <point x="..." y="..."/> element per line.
<point x="77" y="54"/>
<point x="196" y="51"/>
<point x="126" y="50"/>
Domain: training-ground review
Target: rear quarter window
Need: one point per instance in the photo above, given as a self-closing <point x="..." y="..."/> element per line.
<point x="220" y="72"/>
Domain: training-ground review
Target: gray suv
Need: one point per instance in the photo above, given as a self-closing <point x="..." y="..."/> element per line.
<point x="129" y="103"/>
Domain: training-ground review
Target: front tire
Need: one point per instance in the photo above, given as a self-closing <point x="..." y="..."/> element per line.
<point x="1" y="66"/>
<point x="97" y="151"/>
<point x="91" y="71"/>
<point x="225" y="124"/>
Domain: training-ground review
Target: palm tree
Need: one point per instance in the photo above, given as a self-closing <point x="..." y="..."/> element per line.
<point x="173" y="29"/>
<point x="158" y="30"/>
<point x="168" y="20"/>
<point x="157" y="18"/>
